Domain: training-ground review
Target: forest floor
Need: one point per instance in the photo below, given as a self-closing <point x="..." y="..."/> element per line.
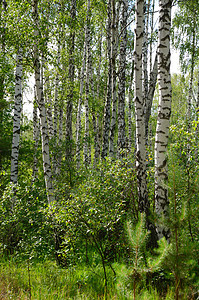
<point x="47" y="281"/>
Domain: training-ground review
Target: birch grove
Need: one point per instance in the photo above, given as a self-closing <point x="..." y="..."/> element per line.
<point x="100" y="144"/>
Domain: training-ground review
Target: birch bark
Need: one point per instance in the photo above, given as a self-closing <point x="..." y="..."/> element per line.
<point x="163" y="120"/>
<point x="150" y="95"/>
<point x="197" y="120"/>
<point x="97" y="148"/>
<point x="87" y="89"/>
<point x="130" y="109"/>
<point x="79" y="110"/>
<point x="71" y="77"/>
<point x="122" y="81"/>
<point x="36" y="136"/>
<point x="56" y="99"/>
<point x="42" y="109"/>
<point x="114" y="48"/>
<point x="107" y="109"/>
<point x="16" y="119"/>
<point x="139" y="109"/>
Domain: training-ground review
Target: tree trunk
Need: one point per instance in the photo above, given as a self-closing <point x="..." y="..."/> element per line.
<point x="197" y="120"/>
<point x="16" y="119"/>
<point x="139" y="109"/>
<point x="97" y="147"/>
<point x="163" y="120"/>
<point x="36" y="135"/>
<point x="56" y="99"/>
<point x="150" y="95"/>
<point x="71" y="78"/>
<point x="114" y="48"/>
<point x="130" y="109"/>
<point x="87" y="89"/>
<point x="42" y="109"/>
<point x="107" y="109"/>
<point x="122" y="80"/>
<point x="79" y="110"/>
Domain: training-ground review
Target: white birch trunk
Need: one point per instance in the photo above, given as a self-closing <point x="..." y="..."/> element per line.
<point x="130" y="110"/>
<point x="114" y="48"/>
<point x="56" y="99"/>
<point x="151" y="35"/>
<point x="107" y="109"/>
<point x="145" y="54"/>
<point x="197" y="120"/>
<point x="47" y="98"/>
<point x="150" y="95"/>
<point x="71" y="78"/>
<point x="97" y="146"/>
<point x="42" y="110"/>
<point x="79" y="110"/>
<point x="163" y="120"/>
<point x="16" y="119"/>
<point x="36" y="135"/>
<point x="87" y="157"/>
<point x="189" y="102"/>
<point x="139" y="109"/>
<point x="122" y="80"/>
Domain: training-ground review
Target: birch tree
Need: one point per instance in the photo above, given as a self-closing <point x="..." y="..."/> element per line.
<point x="122" y="80"/>
<point x="36" y="134"/>
<point x="139" y="108"/>
<point x="87" y="86"/>
<point x="71" y="78"/>
<point x="16" y="119"/>
<point x="164" y="112"/>
<point x="42" y="108"/>
<point x="80" y="101"/>
<point x="114" y="49"/>
<point x="107" y="108"/>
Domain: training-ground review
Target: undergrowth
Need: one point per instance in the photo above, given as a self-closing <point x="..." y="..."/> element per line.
<point x="48" y="281"/>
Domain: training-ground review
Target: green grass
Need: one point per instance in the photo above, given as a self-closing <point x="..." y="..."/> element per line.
<point x="47" y="281"/>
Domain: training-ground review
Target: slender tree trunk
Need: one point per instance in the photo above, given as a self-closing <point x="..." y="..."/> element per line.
<point x="189" y="104"/>
<point x="145" y="54"/>
<point x="151" y="35"/>
<point x="3" y="56"/>
<point x="139" y="109"/>
<point x="130" y="110"/>
<point x="36" y="135"/>
<point x="150" y="95"/>
<point x="87" y="89"/>
<point x="114" y="47"/>
<point x="42" y="109"/>
<point x="163" y="120"/>
<point x="56" y="99"/>
<point x="122" y="81"/>
<point x="16" y="119"/>
<point x="47" y="97"/>
<point x="107" y="109"/>
<point x="71" y="77"/>
<point x="97" y="147"/>
<point x="197" y="120"/>
<point x="79" y="110"/>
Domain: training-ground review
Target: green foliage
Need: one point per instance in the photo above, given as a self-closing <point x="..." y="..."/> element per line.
<point x="24" y="229"/>
<point x="185" y="37"/>
<point x="108" y="188"/>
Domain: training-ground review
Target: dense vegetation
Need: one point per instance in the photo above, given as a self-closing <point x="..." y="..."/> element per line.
<point x="90" y="239"/>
